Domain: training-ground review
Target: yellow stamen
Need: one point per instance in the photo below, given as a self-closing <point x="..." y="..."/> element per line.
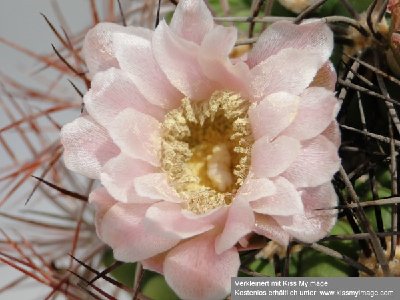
<point x="206" y="149"/>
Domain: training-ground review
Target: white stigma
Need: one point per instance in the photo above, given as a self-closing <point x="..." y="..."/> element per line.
<point x="219" y="167"/>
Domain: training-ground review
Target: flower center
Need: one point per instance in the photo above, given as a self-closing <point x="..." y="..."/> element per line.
<point x="206" y="148"/>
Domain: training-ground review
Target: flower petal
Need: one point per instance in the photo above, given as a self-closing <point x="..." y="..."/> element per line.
<point x="332" y="133"/>
<point x="123" y="230"/>
<point x="137" y="135"/>
<point x="113" y="91"/>
<point x="135" y="56"/>
<point x="220" y="41"/>
<point x="117" y="177"/>
<point x="155" y="186"/>
<point x="317" y="109"/>
<point x="155" y="263"/>
<point x="269" y="159"/>
<point x="216" y="65"/>
<point x="314" y="224"/>
<point x="317" y="162"/>
<point x="102" y="202"/>
<point x="315" y="36"/>
<point x="178" y="60"/>
<point x="255" y="188"/>
<point x="286" y="200"/>
<point x="239" y="223"/>
<point x="87" y="146"/>
<point x="326" y="77"/>
<point x="291" y="70"/>
<point x="273" y="114"/>
<point x="194" y="271"/>
<point x="169" y="218"/>
<point x="98" y="47"/>
<point x="192" y="20"/>
<point x="268" y="227"/>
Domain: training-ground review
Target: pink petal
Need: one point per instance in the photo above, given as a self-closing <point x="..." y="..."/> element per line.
<point x="332" y="133"/>
<point x="102" y="202"/>
<point x="268" y="227"/>
<point x="216" y="65"/>
<point x="87" y="146"/>
<point x="135" y="56"/>
<point x="269" y="159"/>
<point x="239" y="223"/>
<point x="178" y="60"/>
<point x="220" y="41"/>
<point x="323" y="196"/>
<point x="314" y="224"/>
<point x="106" y="151"/>
<point x="286" y="200"/>
<point x="317" y="162"/>
<point x="273" y="114"/>
<point x="117" y="177"/>
<point x="137" y="135"/>
<point x="113" y="91"/>
<point x="155" y="263"/>
<point x="326" y="77"/>
<point x="194" y="271"/>
<point x="156" y="186"/>
<point x="244" y="241"/>
<point x="253" y="189"/>
<point x="123" y="230"/>
<point x="317" y="109"/>
<point x="315" y="36"/>
<point x="169" y="218"/>
<point x="291" y="70"/>
<point x="192" y="20"/>
<point x="98" y="47"/>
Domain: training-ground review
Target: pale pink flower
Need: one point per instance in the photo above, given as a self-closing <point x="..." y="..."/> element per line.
<point x="195" y="151"/>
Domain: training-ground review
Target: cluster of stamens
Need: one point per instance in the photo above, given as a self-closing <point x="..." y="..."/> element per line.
<point x="206" y="148"/>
